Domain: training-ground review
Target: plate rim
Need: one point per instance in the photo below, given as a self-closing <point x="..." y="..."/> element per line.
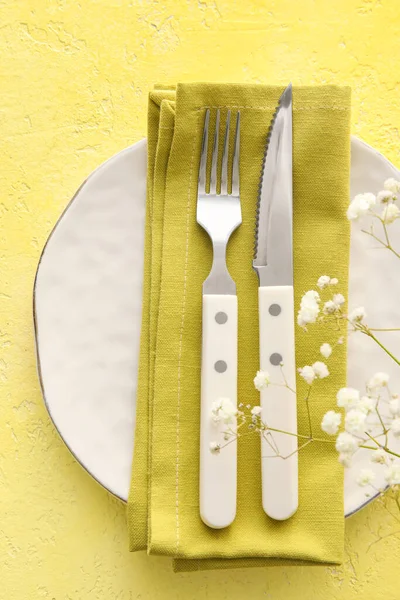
<point x="99" y="168"/>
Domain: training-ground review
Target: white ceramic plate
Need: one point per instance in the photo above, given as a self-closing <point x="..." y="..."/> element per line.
<point x="87" y="304"/>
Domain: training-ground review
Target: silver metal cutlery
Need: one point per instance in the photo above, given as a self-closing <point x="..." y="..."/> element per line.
<point x="273" y="262"/>
<point x="219" y="214"/>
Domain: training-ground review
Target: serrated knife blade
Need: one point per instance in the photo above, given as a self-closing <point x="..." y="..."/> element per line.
<point x="273" y="262"/>
<point x="273" y="248"/>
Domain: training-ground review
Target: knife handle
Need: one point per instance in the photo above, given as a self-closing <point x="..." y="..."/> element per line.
<point x="218" y="380"/>
<point x="278" y="404"/>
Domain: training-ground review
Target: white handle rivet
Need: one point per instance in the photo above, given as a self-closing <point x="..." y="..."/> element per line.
<point x="220" y="366"/>
<point x="221" y="318"/>
<point x="275" y="310"/>
<point x="275" y="359"/>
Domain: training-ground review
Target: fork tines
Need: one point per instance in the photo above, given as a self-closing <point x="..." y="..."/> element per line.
<point x="214" y="159"/>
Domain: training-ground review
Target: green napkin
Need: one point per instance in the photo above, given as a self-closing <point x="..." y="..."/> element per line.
<point x="163" y="511"/>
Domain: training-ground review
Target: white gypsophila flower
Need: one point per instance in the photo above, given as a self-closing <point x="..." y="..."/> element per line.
<point x="323" y="281"/>
<point x="326" y="350"/>
<point x="310" y="296"/>
<point x="379" y="456"/>
<point x="378" y="380"/>
<point x="357" y="315"/>
<point x="329" y="308"/>
<point x="261" y="380"/>
<point x="394" y="407"/>
<point x="229" y="410"/>
<point x="309" y="308"/>
<point x="366" y="404"/>
<point x="395" y="427"/>
<point x="256" y="411"/>
<point x="365" y="477"/>
<point x="348" y="398"/>
<point x="334" y="281"/>
<point x="338" y="299"/>
<point x="392" y="474"/>
<point x="340" y="340"/>
<point x="392" y="185"/>
<point x="356" y="210"/>
<point x="331" y="422"/>
<point x="384" y="196"/>
<point x="360" y="206"/>
<point x="355" y="421"/>
<point x="307" y="373"/>
<point x="346" y="443"/>
<point x="390" y="213"/>
<point x="345" y="459"/>
<point x="320" y="369"/>
<point x="306" y="316"/>
<point x="215" y="415"/>
<point x="223" y="410"/>
<point x="215" y="447"/>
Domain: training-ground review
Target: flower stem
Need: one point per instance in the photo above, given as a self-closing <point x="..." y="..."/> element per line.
<point x="305" y="437"/>
<point x="367" y="447"/>
<point x="374" y="440"/>
<point x="384" y="329"/>
<point x="368" y="332"/>
<point x="298" y="435"/>
<point x="385" y="431"/>
<point x="285" y="380"/>
<point x="386" y="449"/>
<point x="384" y="244"/>
<point x="386" y="233"/>
<point x="308" y="411"/>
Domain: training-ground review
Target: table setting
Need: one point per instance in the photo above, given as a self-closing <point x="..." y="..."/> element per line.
<point x="177" y="319"/>
<point x="199" y="317"/>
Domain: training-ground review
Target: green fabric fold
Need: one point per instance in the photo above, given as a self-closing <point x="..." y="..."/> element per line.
<point x="163" y="512"/>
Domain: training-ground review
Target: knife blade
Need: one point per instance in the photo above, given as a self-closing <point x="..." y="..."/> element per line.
<point x="273" y="263"/>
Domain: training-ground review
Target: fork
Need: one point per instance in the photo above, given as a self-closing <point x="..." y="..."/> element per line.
<point x="219" y="214"/>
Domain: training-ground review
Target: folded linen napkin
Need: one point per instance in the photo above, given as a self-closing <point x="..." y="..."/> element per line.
<point x="163" y="506"/>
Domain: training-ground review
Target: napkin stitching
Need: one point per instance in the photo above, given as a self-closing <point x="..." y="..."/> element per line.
<point x="181" y="331"/>
<point x="316" y="107"/>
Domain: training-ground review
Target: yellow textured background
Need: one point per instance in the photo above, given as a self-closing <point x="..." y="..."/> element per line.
<point x="74" y="80"/>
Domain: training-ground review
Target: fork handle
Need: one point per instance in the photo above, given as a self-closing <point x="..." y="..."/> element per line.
<point x="279" y="474"/>
<point x="218" y="380"/>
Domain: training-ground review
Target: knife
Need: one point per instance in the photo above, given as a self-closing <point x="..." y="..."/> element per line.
<point x="273" y="263"/>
